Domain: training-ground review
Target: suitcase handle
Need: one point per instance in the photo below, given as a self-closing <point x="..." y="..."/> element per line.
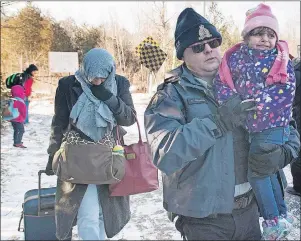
<point x="19" y="228"/>
<point x="39" y="190"/>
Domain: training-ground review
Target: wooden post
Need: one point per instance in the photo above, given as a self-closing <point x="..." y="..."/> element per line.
<point x="150" y="82"/>
<point x="155" y="78"/>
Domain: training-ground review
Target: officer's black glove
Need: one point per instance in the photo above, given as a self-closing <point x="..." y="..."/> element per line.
<point x="234" y="112"/>
<point x="272" y="157"/>
<point x="265" y="161"/>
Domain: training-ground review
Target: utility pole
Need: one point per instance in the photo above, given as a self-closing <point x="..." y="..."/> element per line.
<point x="204" y="9"/>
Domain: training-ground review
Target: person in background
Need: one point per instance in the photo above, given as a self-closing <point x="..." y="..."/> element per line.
<point x="296" y="166"/>
<point x="17" y="93"/>
<point x="29" y="74"/>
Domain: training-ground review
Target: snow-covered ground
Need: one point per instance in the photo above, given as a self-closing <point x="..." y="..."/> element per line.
<point x="19" y="168"/>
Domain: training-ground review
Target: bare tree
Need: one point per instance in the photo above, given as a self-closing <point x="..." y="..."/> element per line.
<point x="118" y="36"/>
<point x="159" y="27"/>
<point x="3" y="5"/>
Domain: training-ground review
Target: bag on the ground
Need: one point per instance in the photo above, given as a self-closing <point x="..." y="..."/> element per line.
<point x="141" y="175"/>
<point x="85" y="162"/>
<point x="15" y="79"/>
<point x="8" y="112"/>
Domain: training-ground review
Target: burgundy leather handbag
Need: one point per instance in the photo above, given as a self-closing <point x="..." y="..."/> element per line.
<point x="141" y="175"/>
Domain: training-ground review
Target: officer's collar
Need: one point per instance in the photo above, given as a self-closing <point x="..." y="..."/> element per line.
<point x="193" y="80"/>
<point x="202" y="82"/>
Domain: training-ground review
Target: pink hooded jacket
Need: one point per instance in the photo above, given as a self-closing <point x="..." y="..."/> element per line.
<point x="277" y="74"/>
<point x="18" y="91"/>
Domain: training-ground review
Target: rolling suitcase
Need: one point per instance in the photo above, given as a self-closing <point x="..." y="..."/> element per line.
<point x="38" y="213"/>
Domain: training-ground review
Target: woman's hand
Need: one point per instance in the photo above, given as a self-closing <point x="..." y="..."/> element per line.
<point x="100" y="92"/>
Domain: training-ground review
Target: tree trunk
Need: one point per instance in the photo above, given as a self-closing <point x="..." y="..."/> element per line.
<point x="117" y="44"/>
<point x="122" y="53"/>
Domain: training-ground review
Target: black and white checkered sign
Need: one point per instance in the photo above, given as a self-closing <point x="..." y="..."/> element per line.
<point x="152" y="57"/>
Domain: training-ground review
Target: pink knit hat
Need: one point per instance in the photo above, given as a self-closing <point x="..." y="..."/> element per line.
<point x="261" y="16"/>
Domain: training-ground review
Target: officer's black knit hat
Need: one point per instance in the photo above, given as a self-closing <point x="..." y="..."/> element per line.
<point x="192" y="28"/>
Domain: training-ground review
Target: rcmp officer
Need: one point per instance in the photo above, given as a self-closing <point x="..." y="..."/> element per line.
<point x="199" y="146"/>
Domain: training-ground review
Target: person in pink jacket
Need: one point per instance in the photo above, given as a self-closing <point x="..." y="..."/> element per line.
<point x="18" y="93"/>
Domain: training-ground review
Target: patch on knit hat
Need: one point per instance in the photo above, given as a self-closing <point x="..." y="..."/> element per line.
<point x="204" y="32"/>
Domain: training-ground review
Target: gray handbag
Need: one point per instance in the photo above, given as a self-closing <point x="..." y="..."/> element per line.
<point x="85" y="162"/>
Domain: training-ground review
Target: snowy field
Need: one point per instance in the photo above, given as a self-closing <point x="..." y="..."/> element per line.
<point x="19" y="168"/>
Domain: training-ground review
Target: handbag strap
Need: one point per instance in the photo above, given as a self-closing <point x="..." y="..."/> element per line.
<point x="139" y="131"/>
<point x="69" y="127"/>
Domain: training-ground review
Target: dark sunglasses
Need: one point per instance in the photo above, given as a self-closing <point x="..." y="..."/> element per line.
<point x="200" y="47"/>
